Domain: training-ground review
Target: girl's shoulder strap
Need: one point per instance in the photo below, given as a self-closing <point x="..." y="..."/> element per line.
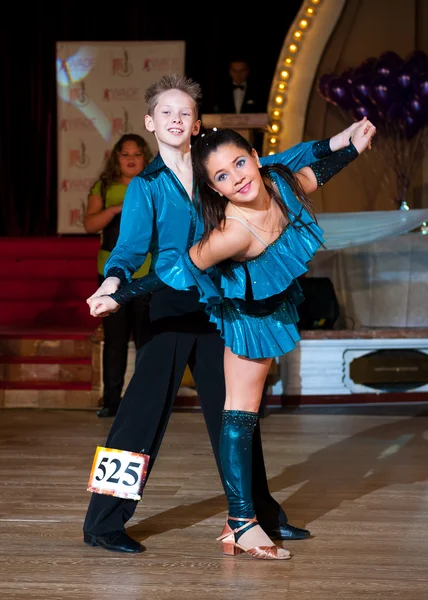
<point x="249" y="229"/>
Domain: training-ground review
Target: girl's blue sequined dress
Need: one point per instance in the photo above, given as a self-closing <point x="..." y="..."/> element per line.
<point x="254" y="303"/>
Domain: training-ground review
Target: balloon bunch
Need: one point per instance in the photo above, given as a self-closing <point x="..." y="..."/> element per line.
<point x="393" y="93"/>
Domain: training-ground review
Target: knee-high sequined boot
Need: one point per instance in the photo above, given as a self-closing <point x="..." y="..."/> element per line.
<point x="236" y="459"/>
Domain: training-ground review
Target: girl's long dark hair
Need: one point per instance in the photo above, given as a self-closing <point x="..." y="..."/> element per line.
<point x="213" y="206"/>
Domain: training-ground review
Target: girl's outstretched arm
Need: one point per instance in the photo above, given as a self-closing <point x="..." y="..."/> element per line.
<point x="321" y="171"/>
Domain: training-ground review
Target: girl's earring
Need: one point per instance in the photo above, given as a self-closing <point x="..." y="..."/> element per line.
<point x="220" y="194"/>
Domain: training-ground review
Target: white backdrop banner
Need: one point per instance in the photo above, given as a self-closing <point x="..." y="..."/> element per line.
<point x="100" y="88"/>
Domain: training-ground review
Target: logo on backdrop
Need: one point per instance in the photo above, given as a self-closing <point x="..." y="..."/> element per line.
<point x="116" y="94"/>
<point x="79" y="95"/>
<point x="121" y="125"/>
<point x="78" y="124"/>
<point x="161" y="64"/>
<point x="76" y="185"/>
<point x="79" y="157"/>
<point x="76" y="215"/>
<point x="79" y="63"/>
<point x="74" y="68"/>
<point x="121" y="65"/>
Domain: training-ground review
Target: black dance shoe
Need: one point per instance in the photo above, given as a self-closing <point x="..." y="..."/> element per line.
<point x="288" y="532"/>
<point x="105" y="411"/>
<point x="115" y="541"/>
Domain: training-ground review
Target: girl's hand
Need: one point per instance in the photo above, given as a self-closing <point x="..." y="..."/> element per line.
<point x="109" y="286"/>
<point x="363" y="135"/>
<point x="341" y="140"/>
<point x="102" y="306"/>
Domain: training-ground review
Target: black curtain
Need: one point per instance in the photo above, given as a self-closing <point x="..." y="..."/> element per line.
<point x="28" y="134"/>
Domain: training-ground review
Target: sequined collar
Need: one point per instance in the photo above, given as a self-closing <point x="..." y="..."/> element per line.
<point x="157" y="164"/>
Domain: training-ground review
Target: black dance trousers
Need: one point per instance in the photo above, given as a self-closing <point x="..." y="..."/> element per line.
<point x="145" y="409"/>
<point x="131" y="321"/>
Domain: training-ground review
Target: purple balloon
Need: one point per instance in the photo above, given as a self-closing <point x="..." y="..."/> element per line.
<point x="418" y="108"/>
<point x="417" y="62"/>
<point x="412" y="118"/>
<point x="409" y="115"/>
<point x="361" y="88"/>
<point x="361" y="110"/>
<point x="340" y="93"/>
<point x="387" y="64"/>
<point x="415" y="106"/>
<point x="385" y="89"/>
<point x="411" y="125"/>
<point x="323" y="85"/>
<point x="404" y="77"/>
<point x="421" y="87"/>
<point x="383" y="93"/>
<point x="348" y="75"/>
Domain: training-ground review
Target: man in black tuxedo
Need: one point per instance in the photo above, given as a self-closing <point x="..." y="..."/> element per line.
<point x="240" y="94"/>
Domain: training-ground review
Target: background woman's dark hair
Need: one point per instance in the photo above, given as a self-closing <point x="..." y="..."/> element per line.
<point x="212" y="205"/>
<point x="111" y="172"/>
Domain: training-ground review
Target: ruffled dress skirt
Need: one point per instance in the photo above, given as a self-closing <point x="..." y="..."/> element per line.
<point x="254" y="304"/>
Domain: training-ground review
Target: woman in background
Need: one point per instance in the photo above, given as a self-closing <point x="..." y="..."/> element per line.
<point x="129" y="156"/>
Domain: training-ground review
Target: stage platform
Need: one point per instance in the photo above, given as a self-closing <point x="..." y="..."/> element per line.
<point x="357" y="480"/>
<point x="323" y="367"/>
<point x="61" y="367"/>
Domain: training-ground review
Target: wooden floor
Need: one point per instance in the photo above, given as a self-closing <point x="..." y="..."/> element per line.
<point x="359" y="482"/>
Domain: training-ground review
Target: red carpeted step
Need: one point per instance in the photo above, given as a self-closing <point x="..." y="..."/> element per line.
<point x="39" y="313"/>
<point x="45" y="282"/>
<point x="45" y="385"/>
<point x="48" y="268"/>
<point x="46" y="360"/>
<point x="48" y="332"/>
<point x="76" y="246"/>
<point x="50" y="289"/>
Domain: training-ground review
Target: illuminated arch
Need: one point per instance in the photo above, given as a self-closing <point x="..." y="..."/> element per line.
<point x="295" y="71"/>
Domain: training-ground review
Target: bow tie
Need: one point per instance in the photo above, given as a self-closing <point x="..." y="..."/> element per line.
<point x="237" y="86"/>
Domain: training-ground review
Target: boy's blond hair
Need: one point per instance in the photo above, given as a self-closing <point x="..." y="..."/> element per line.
<point x="172" y="82"/>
